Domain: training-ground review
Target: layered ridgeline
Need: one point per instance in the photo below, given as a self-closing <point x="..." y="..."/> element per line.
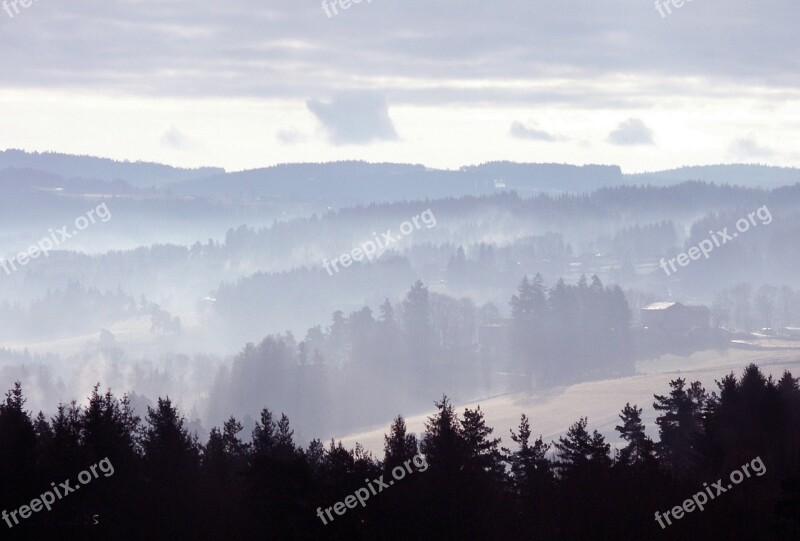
<point x="349" y="182"/>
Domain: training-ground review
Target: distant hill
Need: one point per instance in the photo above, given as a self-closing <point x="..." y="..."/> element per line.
<point x="362" y="182"/>
<point x="14" y="180"/>
<point x="139" y="174"/>
<point x="532" y="177"/>
<point x="752" y="175"/>
<point x="357" y="182"/>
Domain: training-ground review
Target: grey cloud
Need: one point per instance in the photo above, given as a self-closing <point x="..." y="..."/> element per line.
<point x="284" y="49"/>
<point x="520" y="131"/>
<point x="354" y="118"/>
<point x="631" y="132"/>
<point x="175" y="139"/>
<point x="290" y="137"/>
<point x="749" y="148"/>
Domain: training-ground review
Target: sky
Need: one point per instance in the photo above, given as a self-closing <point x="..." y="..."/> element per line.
<point x="243" y="84"/>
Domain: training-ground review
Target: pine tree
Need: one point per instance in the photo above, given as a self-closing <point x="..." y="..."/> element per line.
<point x="235" y="448"/>
<point x="389" y="343"/>
<point x="680" y="423"/>
<point x="529" y="312"/>
<point x="417" y="324"/>
<point x="66" y="450"/>
<point x="481" y="452"/>
<point x="387" y="314"/>
<point x="398" y="445"/>
<point x="579" y="451"/>
<point x="362" y="330"/>
<point x="17" y="448"/>
<point x="44" y="439"/>
<point x="170" y="453"/>
<point x="532" y="481"/>
<point x="284" y="436"/>
<point x="529" y="464"/>
<point x="315" y="455"/>
<point x="214" y="461"/>
<point x="109" y="428"/>
<point x="640" y="447"/>
<point x="564" y="317"/>
<point x="522" y="303"/>
<point x="264" y="438"/>
<point x="442" y="444"/>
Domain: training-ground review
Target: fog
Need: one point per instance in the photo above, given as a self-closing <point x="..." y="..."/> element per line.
<point x="238" y="307"/>
<point x="381" y="270"/>
<point x="228" y="305"/>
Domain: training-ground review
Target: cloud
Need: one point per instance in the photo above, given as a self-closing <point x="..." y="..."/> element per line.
<point x="425" y="52"/>
<point x="175" y="139"/>
<point x="520" y="131"/>
<point x="354" y="118"/>
<point x="748" y="148"/>
<point x="631" y="132"/>
<point x="291" y="137"/>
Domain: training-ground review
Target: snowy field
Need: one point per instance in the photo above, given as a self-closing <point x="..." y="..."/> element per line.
<point x="552" y="411"/>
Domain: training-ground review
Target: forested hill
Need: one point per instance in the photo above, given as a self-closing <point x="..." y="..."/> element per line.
<point x="727" y="457"/>
<point x="143" y="174"/>
<point x="742" y="174"/>
<point x="353" y="182"/>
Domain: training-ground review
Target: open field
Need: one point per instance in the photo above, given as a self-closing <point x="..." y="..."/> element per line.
<point x="552" y="411"/>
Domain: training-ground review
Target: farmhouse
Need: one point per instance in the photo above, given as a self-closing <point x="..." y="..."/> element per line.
<point x="673" y="316"/>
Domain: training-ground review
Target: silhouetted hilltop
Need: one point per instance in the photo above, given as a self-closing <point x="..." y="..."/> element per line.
<point x="361" y="182"/>
<point x="743" y="174"/>
<point x="548" y="176"/>
<point x="142" y="174"/>
<point x="354" y="182"/>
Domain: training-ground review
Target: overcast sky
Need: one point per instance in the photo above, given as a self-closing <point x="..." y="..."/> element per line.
<point x="243" y="84"/>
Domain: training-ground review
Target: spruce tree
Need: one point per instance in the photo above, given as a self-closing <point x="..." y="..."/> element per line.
<point x="398" y="445"/>
<point x="579" y="451"/>
<point x="529" y="464"/>
<point x="170" y="453"/>
<point x="481" y="451"/>
<point x="680" y="423"/>
<point x="640" y="447"/>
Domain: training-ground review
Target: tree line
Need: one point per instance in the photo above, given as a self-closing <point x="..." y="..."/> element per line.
<point x="169" y="485"/>
<point x="570" y="333"/>
<point x="411" y="350"/>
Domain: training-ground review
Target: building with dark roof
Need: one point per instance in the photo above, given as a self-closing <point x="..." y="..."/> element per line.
<point x="672" y="316"/>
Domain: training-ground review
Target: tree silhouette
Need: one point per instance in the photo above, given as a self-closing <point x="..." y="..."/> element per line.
<point x="170" y="454"/>
<point x="578" y="451"/>
<point x="398" y="445"/>
<point x="17" y="449"/>
<point x="640" y="447"/>
<point x="270" y="487"/>
<point x="680" y="423"/>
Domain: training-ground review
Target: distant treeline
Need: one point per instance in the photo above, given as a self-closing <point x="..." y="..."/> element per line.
<point x="429" y="342"/>
<point x="503" y="236"/>
<point x="266" y="485"/>
<point x="78" y="168"/>
<point x="481" y="246"/>
<point x="571" y="332"/>
<point x="76" y="310"/>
